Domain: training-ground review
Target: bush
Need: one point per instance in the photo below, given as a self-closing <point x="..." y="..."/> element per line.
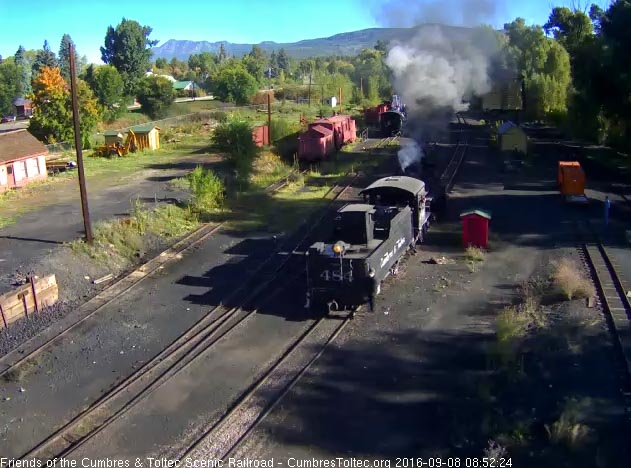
<point x="208" y="189"/>
<point x="474" y="254"/>
<point x="282" y="128"/>
<point x="234" y="138"/>
<point x="569" y="278"/>
<point x="155" y="96"/>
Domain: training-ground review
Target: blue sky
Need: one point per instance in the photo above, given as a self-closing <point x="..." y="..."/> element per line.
<point x="246" y="21"/>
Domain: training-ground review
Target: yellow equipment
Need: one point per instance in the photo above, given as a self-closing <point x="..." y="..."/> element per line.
<point x="119" y="149"/>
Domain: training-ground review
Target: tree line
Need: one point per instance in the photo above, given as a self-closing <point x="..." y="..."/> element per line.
<point x="574" y="68"/>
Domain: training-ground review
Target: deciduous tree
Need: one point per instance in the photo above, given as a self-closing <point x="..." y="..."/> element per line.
<point x="155" y="96"/>
<point x="108" y="88"/>
<point x="233" y="83"/>
<point x="127" y="48"/>
<point x="52" y="115"/>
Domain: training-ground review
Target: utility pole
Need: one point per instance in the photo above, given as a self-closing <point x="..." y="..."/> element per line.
<point x="77" y="143"/>
<point x="310" y="89"/>
<point x="341" y="102"/>
<point x="269" y="117"/>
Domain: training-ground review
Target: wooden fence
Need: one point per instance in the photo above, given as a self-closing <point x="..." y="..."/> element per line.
<point x="26" y="300"/>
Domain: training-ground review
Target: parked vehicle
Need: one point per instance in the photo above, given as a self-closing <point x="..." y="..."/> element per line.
<point x="8" y="118"/>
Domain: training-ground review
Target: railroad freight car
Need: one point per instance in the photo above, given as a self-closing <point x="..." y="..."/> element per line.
<point x="325" y="136"/>
<point x="366" y="243"/>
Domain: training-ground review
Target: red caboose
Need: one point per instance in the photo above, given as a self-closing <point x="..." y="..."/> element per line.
<point x="372" y="115"/>
<point x="325" y="136"/>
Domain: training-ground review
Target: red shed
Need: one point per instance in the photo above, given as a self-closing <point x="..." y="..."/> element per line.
<point x="22" y="159"/>
<point x="475" y="228"/>
<point x="316" y="143"/>
<point x="260" y="134"/>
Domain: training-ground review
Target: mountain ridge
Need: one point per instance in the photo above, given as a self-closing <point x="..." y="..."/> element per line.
<point x="346" y="43"/>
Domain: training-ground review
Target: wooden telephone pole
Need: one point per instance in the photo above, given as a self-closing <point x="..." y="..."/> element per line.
<point x="77" y="143"/>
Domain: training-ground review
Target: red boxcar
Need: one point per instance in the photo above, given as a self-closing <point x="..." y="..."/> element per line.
<point x="325" y="136"/>
<point x="372" y="115"/>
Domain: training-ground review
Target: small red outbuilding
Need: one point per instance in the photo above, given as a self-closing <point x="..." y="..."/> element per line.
<point x="475" y="228"/>
<point x="260" y="135"/>
<point x="22" y="159"/>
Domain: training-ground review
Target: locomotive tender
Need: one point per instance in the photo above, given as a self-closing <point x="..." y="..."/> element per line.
<point x="366" y="243"/>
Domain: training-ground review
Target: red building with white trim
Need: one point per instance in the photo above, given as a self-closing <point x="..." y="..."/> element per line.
<point x="22" y="159"/>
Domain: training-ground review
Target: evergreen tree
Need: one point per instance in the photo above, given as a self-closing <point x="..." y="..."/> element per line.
<point x="222" y="53"/>
<point x="44" y="58"/>
<point x="24" y="85"/>
<point x="64" y="57"/>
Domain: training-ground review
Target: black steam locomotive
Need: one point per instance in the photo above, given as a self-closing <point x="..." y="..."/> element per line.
<point x="366" y="243"/>
<point x="391" y="122"/>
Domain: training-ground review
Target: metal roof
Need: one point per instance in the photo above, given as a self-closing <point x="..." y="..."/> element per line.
<point x="181" y="84"/>
<point x="356" y="208"/>
<point x="144" y="128"/>
<point x="481" y="213"/>
<point x="408" y="184"/>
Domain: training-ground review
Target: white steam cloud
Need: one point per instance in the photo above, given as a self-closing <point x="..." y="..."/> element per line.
<point x="409" y="154"/>
<point x="435" y="73"/>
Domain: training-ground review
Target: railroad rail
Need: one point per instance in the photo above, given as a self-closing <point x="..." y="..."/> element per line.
<point x="215" y="325"/>
<point x="122" y="286"/>
<point x="224" y="437"/>
<point x="611" y="292"/>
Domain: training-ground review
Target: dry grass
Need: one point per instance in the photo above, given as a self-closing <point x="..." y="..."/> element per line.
<point x="568" y="429"/>
<point x="571" y="281"/>
<point x="474" y="254"/>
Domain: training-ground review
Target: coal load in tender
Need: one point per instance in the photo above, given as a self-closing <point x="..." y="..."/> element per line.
<point x="366" y="242"/>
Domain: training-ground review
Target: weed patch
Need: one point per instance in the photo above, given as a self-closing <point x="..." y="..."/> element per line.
<point x="474" y="254"/>
<point x="571" y="280"/>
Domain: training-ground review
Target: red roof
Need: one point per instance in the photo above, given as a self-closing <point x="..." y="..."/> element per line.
<point x="320" y="131"/>
<point x="19" y="144"/>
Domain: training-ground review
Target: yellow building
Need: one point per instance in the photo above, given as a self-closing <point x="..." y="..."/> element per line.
<point x="512" y="138"/>
<point x="148" y="136"/>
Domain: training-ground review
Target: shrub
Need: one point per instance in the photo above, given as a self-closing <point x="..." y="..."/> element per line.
<point x="282" y="128"/>
<point x="207" y="188"/>
<point x="155" y="96"/>
<point x="570" y="279"/>
<point x="234" y="138"/>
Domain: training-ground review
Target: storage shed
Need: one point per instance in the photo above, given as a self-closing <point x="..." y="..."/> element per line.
<point x="475" y="228"/>
<point x="23" y="107"/>
<point x="331" y="101"/>
<point x="112" y="137"/>
<point x="260" y="135"/>
<point x="22" y="159"/>
<point x="512" y="138"/>
<point x="148" y="137"/>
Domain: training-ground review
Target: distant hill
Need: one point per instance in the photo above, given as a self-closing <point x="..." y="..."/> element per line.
<point x="349" y="43"/>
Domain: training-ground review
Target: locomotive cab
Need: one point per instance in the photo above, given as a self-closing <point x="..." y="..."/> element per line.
<point x="402" y="191"/>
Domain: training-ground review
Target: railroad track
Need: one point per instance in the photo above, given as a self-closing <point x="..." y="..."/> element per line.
<point x="610" y="291"/>
<point x="223" y="438"/>
<point x="384" y="142"/>
<point x="211" y="328"/>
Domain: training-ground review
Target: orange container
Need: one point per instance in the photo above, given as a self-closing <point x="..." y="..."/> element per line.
<point x="571" y="178"/>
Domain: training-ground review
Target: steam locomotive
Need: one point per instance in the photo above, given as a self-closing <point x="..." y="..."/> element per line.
<point x="366" y="243"/>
